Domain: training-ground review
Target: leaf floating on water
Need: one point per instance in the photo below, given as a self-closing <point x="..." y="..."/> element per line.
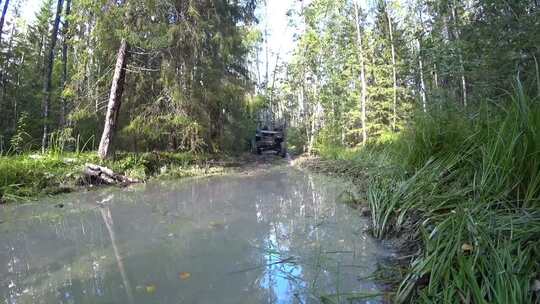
<point x="467" y="248"/>
<point x="150" y="288"/>
<point x="313" y="244"/>
<point x="184" y="275"/>
<point x="216" y="225"/>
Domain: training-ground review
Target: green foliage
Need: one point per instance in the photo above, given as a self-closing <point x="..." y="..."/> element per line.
<point x="474" y="178"/>
<point x="20" y="137"/>
<point x="186" y="90"/>
<point x="60" y="140"/>
<point x="464" y="187"/>
<point x="296" y="141"/>
<point x="165" y="131"/>
<point x="25" y="176"/>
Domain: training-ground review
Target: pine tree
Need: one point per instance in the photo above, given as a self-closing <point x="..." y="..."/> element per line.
<point x="115" y="101"/>
<point x="47" y="77"/>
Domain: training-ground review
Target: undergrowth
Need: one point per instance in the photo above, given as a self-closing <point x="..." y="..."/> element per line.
<point x="467" y="186"/>
<point x="24" y="177"/>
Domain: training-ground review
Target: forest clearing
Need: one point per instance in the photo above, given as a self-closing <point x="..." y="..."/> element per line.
<point x="265" y="151"/>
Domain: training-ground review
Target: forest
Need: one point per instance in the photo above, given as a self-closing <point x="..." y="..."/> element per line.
<point x="431" y="106"/>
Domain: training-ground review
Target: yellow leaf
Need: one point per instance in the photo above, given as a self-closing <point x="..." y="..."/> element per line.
<point x="184" y="275"/>
<point x="216" y="225"/>
<point x="151" y="288"/>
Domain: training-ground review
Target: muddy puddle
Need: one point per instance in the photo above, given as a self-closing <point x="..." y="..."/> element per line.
<point x="278" y="236"/>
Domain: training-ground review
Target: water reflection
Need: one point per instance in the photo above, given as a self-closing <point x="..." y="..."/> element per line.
<point x="282" y="276"/>
<point x="109" y="223"/>
<point x="277" y="237"/>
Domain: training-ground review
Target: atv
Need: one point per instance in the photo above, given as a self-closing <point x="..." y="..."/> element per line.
<point x="270" y="140"/>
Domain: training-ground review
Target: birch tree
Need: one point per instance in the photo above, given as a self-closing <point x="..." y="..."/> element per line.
<point x="421" y="72"/>
<point x="363" y="92"/>
<point x="394" y="73"/>
<point x="418" y="25"/>
<point x="457" y="35"/>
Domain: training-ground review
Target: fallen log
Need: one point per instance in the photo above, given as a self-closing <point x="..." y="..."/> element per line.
<point x="98" y="175"/>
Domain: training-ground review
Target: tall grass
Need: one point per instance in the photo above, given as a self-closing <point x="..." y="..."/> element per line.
<point x="464" y="186"/>
<point x="474" y="179"/>
<point x="25" y="176"/>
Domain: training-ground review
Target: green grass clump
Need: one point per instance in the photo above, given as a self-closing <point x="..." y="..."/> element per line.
<point x="479" y="196"/>
<point x="27" y="176"/>
<point x="466" y="187"/>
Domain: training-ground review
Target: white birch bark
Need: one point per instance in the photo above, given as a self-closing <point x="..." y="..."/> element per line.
<point x="394" y="72"/>
<point x="422" y="82"/>
<point x="363" y="93"/>
<point x="457" y="33"/>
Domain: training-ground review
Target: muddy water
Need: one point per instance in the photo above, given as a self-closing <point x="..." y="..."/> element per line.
<point x="273" y="237"/>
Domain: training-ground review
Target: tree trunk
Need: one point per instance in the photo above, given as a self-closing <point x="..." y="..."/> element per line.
<point x="460" y="55"/>
<point x="315" y="126"/>
<point x="7" y="59"/>
<point x="537" y="74"/>
<point x="15" y="102"/>
<point x="267" y="48"/>
<point x="47" y="81"/>
<point x="394" y="73"/>
<point x="363" y="93"/>
<point x="422" y="82"/>
<point x="109" y="223"/>
<point x="315" y="117"/>
<point x="272" y="103"/>
<point x="3" y="18"/>
<point x="65" y="30"/>
<point x="435" y="76"/>
<point x="115" y="101"/>
<point x="258" y="67"/>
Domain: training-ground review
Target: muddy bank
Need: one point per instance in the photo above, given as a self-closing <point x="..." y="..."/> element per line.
<point x="340" y="168"/>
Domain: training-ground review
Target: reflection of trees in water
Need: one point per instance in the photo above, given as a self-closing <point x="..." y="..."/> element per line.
<point x="304" y="224"/>
<point x="210" y="227"/>
<point x="109" y="223"/>
<point x="291" y="229"/>
<point x="50" y="255"/>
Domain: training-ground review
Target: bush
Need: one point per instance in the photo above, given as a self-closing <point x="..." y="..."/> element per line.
<point x="296" y="140"/>
<point x="26" y="176"/>
<point x="475" y="179"/>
